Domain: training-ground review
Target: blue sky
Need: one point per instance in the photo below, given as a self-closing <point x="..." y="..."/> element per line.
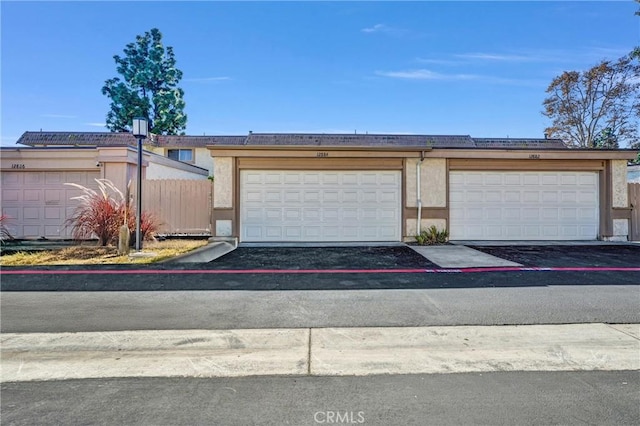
<point x="478" y="68"/>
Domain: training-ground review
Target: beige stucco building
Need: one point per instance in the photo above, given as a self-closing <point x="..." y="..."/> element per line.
<point x="350" y="188"/>
<point x="288" y="188"/>
<point x="36" y="199"/>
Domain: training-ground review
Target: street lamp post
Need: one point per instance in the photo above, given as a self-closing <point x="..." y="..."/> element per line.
<point x="139" y="130"/>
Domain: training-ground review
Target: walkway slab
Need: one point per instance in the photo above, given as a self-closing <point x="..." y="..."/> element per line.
<point x="457" y="256"/>
<point x="320" y="352"/>
<point x="367" y="351"/>
<point x="172" y="353"/>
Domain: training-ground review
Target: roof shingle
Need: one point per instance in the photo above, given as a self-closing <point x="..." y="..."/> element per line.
<point x="288" y="139"/>
<point x="77" y="139"/>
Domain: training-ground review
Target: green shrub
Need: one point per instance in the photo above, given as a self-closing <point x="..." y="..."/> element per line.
<point x="431" y="236"/>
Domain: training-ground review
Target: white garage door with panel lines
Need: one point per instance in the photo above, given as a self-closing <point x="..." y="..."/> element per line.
<point x="320" y="206"/>
<point x="38" y="202"/>
<point x="523" y="205"/>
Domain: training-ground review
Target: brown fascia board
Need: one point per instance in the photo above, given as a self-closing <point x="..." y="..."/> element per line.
<point x="454" y="152"/>
<point x="318" y="148"/>
<point x="544" y="153"/>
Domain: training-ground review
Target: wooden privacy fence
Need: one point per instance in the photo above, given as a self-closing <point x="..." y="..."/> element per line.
<point x="634" y="201"/>
<point x="183" y="206"/>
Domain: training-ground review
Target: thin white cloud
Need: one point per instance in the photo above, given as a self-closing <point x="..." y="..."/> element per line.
<point x="428" y="75"/>
<point x="438" y="61"/>
<point x="496" y="57"/>
<point x="375" y="29"/>
<point x="424" y="74"/>
<point x="385" y="29"/>
<point x="577" y="57"/>
<point x="58" y="116"/>
<point x="206" y="79"/>
<point x="95" y="124"/>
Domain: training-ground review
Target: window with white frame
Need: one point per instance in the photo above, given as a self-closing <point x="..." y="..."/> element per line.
<point x="185" y="155"/>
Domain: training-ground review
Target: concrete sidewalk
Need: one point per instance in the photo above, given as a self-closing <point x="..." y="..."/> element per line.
<point x="319" y="352"/>
<point x="460" y="256"/>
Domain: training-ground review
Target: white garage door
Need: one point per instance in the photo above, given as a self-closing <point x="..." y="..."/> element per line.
<point x="523" y="205"/>
<point x="38" y="203"/>
<point x="318" y="206"/>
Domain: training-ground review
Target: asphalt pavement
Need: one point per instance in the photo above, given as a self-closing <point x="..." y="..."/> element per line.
<point x="82" y="311"/>
<point x="501" y="398"/>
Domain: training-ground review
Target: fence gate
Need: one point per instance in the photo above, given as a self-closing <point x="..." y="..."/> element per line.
<point x="183" y="206"/>
<point x="634" y="201"/>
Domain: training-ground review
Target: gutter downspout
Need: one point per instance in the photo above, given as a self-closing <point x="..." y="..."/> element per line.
<point x="418" y="194"/>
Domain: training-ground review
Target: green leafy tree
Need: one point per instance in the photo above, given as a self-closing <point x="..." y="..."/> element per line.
<point x="597" y="107"/>
<point x="148" y="87"/>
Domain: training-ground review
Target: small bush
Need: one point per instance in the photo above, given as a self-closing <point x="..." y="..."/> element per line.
<point x="431" y="236"/>
<point x="101" y="213"/>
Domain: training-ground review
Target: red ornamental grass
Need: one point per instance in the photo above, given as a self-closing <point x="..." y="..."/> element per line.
<point x="4" y="231"/>
<point x="101" y="213"/>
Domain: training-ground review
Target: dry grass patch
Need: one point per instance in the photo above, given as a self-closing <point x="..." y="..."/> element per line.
<point x="94" y="255"/>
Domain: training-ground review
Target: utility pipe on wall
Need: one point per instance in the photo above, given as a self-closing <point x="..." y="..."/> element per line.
<point x="418" y="194"/>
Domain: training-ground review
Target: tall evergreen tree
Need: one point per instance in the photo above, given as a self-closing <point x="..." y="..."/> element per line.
<point x="148" y="87"/>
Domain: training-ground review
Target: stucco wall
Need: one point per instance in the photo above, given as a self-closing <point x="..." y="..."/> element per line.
<point x="164" y="168"/>
<point x="433" y="182"/>
<point x="619" y="183"/>
<point x="223" y="183"/>
<point x="202" y="157"/>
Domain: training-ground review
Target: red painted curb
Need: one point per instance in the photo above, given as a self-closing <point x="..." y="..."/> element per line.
<point x="308" y="271"/>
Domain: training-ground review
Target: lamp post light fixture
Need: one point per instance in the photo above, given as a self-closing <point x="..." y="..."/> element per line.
<point x="140" y="131"/>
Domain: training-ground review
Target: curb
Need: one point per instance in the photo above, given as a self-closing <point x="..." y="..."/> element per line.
<point x="319" y="351"/>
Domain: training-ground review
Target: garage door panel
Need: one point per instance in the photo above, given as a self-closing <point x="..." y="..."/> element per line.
<point x="534" y="205"/>
<point x="512" y="196"/>
<point x="54" y="178"/>
<point x="273" y="196"/>
<point x="54" y="213"/>
<point x="32" y="195"/>
<point x="330" y="215"/>
<point x="253" y="232"/>
<point x="293" y="232"/>
<point x="54" y="196"/>
<point x="31" y="213"/>
<point x="33" y="178"/>
<point x="328" y="205"/>
<point x="350" y="197"/>
<point x="512" y="180"/>
<point x="349" y="214"/>
<point x="31" y="231"/>
<point x="272" y="214"/>
<point x="330" y="179"/>
<point x="255" y="196"/>
<point x="311" y="233"/>
<point x="257" y="178"/>
<point x="10" y="195"/>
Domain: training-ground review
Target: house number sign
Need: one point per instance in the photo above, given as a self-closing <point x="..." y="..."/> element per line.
<point x="322" y="154"/>
<point x="17" y="166"/>
<point x="534" y="156"/>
